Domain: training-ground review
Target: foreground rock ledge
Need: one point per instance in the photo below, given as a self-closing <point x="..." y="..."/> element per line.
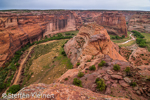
<point x="64" y="92"/>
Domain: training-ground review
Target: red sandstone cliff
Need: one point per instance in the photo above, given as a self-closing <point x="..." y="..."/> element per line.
<point x="18" y="30"/>
<point x="140" y="22"/>
<point x="115" y="23"/>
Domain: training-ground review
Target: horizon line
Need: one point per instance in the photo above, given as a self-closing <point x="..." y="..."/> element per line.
<point x="71" y="9"/>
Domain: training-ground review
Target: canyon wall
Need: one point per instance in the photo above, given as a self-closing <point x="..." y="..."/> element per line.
<point x="140" y="22"/>
<point x="18" y="30"/>
<point x="114" y="23"/>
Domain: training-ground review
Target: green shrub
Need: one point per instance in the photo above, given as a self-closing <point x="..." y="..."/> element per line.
<point x="78" y="63"/>
<point x="80" y="74"/>
<point x="66" y="41"/>
<point x="62" y="45"/>
<point x="92" y="67"/>
<point x="66" y="79"/>
<point x="12" y="67"/>
<point x="102" y="63"/>
<point x="127" y="70"/>
<point x="63" y="53"/>
<point x="97" y="79"/>
<point x="17" y="64"/>
<point x="123" y="36"/>
<point x="133" y="84"/>
<point x="45" y="37"/>
<point x="2" y="86"/>
<point x="113" y="37"/>
<point x="116" y="67"/>
<point x="100" y="84"/>
<point x="13" y="89"/>
<point x="77" y="82"/>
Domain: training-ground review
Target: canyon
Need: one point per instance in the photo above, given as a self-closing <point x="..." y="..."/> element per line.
<point x="90" y="52"/>
<point x="18" y="30"/>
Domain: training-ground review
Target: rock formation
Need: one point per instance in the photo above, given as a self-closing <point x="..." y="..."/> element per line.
<point x="91" y="41"/>
<point x="93" y="45"/>
<point x="115" y="23"/>
<point x="58" y="91"/>
<point x="140" y="22"/>
<point x="18" y="30"/>
<point x="140" y="56"/>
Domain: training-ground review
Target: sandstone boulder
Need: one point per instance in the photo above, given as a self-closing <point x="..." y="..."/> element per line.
<point x="116" y="77"/>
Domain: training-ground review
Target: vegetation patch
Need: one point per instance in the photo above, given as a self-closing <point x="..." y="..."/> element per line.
<point x="100" y="84"/>
<point x="133" y="84"/>
<point x="116" y="67"/>
<point x="140" y="41"/>
<point x="119" y="40"/>
<point x="147" y="37"/>
<point x="92" y="68"/>
<point x="102" y="63"/>
<point x="118" y="37"/>
<point x="77" y="82"/>
<point x="46" y="63"/>
<point x="13" y="89"/>
<point x="78" y="63"/>
<point x="66" y="79"/>
<point x="80" y="74"/>
<point x="128" y="71"/>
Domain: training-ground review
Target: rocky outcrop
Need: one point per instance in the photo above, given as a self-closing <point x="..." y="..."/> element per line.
<point x="93" y="45"/>
<point x="125" y="52"/>
<point x="140" y="56"/>
<point x="140" y="22"/>
<point x="18" y="30"/>
<point x="58" y="91"/>
<point x="117" y="82"/>
<point x="115" y="23"/>
<point x="92" y="41"/>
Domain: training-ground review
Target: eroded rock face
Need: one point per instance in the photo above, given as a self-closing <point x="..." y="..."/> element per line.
<point x="18" y="30"/>
<point x="91" y="42"/>
<point x="62" y="92"/>
<point x="140" y="22"/>
<point x="140" y="56"/>
<point x="115" y="23"/>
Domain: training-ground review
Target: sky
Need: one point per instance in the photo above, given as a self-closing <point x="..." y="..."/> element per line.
<point x="76" y="4"/>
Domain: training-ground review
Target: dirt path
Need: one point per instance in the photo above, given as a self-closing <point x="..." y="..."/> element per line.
<point x="21" y="65"/>
<point x="129" y="40"/>
<point x="24" y="59"/>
